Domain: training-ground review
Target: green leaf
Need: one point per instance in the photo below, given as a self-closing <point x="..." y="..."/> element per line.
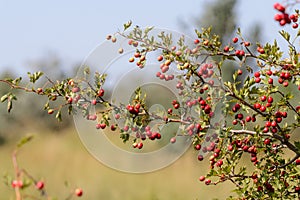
<point x="9" y="105"/>
<point x="58" y="115"/>
<point x="35" y="76"/>
<point x="24" y="140"/>
<point x="147" y="30"/>
<point x="17" y="81"/>
<point x="127" y="25"/>
<point x="4" y="97"/>
<point x="285" y="35"/>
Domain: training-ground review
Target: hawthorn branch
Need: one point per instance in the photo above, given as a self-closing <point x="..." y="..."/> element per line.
<point x="289" y="104"/>
<point x="290" y="162"/>
<point x="274" y="135"/>
<point x="14" y="86"/>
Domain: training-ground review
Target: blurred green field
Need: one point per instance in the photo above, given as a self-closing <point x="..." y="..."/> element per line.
<point x="57" y="158"/>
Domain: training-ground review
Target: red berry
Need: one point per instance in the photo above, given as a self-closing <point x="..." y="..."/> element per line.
<point x="278" y="17"/>
<point x="247" y="44"/>
<point x="113" y="127"/>
<point x="176" y="106"/>
<point x="262" y="108"/>
<point x="257" y="80"/>
<point x="298" y="161"/>
<point x="98" y="126"/>
<point x="257" y="106"/>
<point x="200" y="157"/>
<point x="237" y="106"/>
<point x="241" y="53"/>
<point x="102" y="126"/>
<point x="295" y="25"/>
<point x="78" y="192"/>
<point x="257" y="74"/>
<point x="207" y="181"/>
<point x="270" y="99"/>
<point x="235" y="40"/>
<point x="267" y="141"/>
<point x="94" y="102"/>
<point x="196" y="41"/>
<point x="260" y="50"/>
<point x="269" y="72"/>
<point x="160" y="58"/>
<point x="140" y="145"/>
<point x="17" y="184"/>
<point x="234" y="122"/>
<point x="278" y="119"/>
<point x="248" y="118"/>
<point x="75" y="89"/>
<point x="131" y="59"/>
<point x="101" y="92"/>
<point x="39" y="185"/>
<point x="220" y="163"/>
<point x="265" y="130"/>
<point x="284" y="114"/>
<point x="239" y="72"/>
<point x="282" y="22"/>
<point x="226" y="48"/>
<point x="279" y="7"/>
<point x="274" y="124"/>
<point x="268" y="124"/>
<point x="270" y="81"/>
<point x="198" y="147"/>
<point x="201" y="178"/>
<point x="263" y="98"/>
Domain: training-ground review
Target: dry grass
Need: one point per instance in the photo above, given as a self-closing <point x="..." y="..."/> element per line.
<point x="60" y="158"/>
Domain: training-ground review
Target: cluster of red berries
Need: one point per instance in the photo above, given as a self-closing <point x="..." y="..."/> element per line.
<point x="194" y="129"/>
<point x="138" y="145"/>
<point x="205" y="106"/>
<point x="238" y="52"/>
<point x="191" y="103"/>
<point x="284" y="18"/>
<point x="164" y="67"/>
<point x="141" y="59"/>
<point x="133" y="109"/>
<point x="175" y="104"/>
<point x="245" y="146"/>
<point x="151" y="135"/>
<point x="239" y="117"/>
<point x="206" y="71"/>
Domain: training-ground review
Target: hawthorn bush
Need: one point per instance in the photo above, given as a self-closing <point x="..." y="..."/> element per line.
<point x="254" y="118"/>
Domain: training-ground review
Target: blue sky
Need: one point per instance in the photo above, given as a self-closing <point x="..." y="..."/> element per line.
<point x="71" y="29"/>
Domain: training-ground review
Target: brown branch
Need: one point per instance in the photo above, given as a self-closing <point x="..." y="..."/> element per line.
<point x="14" y="86"/>
<point x="290" y="162"/>
<point x="289" y="104"/>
